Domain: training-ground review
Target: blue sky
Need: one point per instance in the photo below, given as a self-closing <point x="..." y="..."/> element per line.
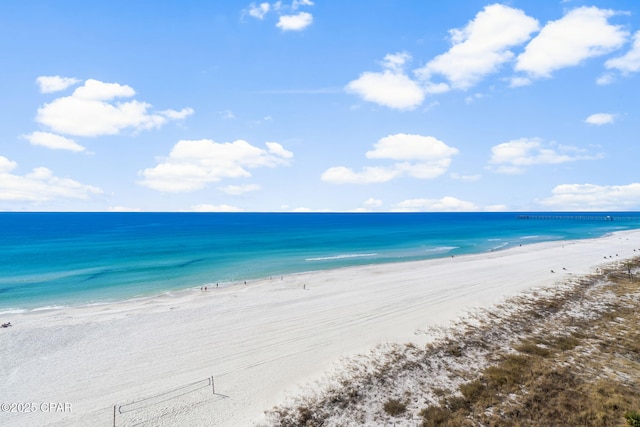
<point x="377" y="105"/>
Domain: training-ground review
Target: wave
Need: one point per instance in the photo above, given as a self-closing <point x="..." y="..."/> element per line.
<point x="49" y="307"/>
<point x="443" y="249"/>
<point x="495" y="248"/>
<point x="12" y="311"/>
<point x="329" y="258"/>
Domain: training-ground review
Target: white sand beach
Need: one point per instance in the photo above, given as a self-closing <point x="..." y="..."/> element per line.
<point x="152" y="358"/>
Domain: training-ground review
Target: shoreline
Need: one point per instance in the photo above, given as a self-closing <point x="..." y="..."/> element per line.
<point x="263" y="341"/>
<point x="178" y="292"/>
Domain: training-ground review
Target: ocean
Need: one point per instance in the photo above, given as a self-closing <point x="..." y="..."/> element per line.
<point x="60" y="259"/>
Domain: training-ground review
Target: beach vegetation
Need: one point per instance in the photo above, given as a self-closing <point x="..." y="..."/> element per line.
<point x="633" y="418"/>
<point x="394" y="407"/>
<point x="567" y="355"/>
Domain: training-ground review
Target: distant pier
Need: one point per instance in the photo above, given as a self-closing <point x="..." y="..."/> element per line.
<point x="617" y="218"/>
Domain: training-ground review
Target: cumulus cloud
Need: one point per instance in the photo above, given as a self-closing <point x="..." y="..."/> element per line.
<point x="606" y="78"/>
<point x="297" y="22"/>
<point x="512" y="157"/>
<point x="41" y="185"/>
<point x="286" y="22"/>
<point x="581" y="34"/>
<point x="481" y="47"/>
<point x="393" y="90"/>
<point x="445" y="204"/>
<point x="192" y="164"/>
<point x="92" y="111"/>
<point x="53" y="141"/>
<point x="278" y="150"/>
<point x="368" y="175"/>
<point x="600" y="119"/>
<point x="402" y="146"/>
<point x="392" y="87"/>
<point x="423" y="157"/>
<point x="591" y="197"/>
<point x="49" y="84"/>
<point x="487" y="43"/>
<point x="258" y="11"/>
<point x="630" y="62"/>
<point x="297" y="3"/>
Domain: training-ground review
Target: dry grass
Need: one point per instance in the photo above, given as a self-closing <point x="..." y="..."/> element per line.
<point x="568" y="355"/>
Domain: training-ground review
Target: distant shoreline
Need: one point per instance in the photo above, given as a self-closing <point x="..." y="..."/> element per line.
<point x="436" y="253"/>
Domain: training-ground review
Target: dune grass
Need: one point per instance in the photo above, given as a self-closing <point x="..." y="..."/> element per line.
<point x="567" y="355"/>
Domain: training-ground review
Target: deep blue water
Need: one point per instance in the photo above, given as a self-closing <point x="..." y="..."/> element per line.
<point x="50" y="259"/>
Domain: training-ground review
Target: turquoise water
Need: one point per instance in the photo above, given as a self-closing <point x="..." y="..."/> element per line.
<point x="55" y="259"/>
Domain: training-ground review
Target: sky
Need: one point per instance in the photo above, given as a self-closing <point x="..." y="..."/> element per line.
<point x="320" y="105"/>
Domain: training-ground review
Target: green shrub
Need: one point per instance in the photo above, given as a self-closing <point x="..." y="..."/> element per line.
<point x="633" y="418"/>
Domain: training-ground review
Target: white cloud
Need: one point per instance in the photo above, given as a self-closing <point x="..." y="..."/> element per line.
<point x="53" y="141"/>
<point x="600" y="119"/>
<point x="465" y="178"/>
<point x="101" y="91"/>
<point x="630" y="62"/>
<point x="236" y="190"/>
<point x="591" y="197"/>
<point x="582" y="33"/>
<point x="422" y="157"/>
<point x="41" y="185"/>
<point x="123" y="209"/>
<point x="50" y="84"/>
<point x="297" y="3"/>
<point x="512" y="157"/>
<point x="215" y="208"/>
<point x="605" y="79"/>
<point x="291" y="22"/>
<point x="278" y="150"/>
<point x="391" y="88"/>
<point x="481" y="47"/>
<point x="192" y="165"/>
<point x="519" y="81"/>
<point x="395" y="61"/>
<point x="177" y="115"/>
<point x="6" y="165"/>
<point x="402" y="146"/>
<point x="445" y="204"/>
<point x="297" y="22"/>
<point x="368" y="175"/>
<point x="258" y="11"/>
<point x="87" y="111"/>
